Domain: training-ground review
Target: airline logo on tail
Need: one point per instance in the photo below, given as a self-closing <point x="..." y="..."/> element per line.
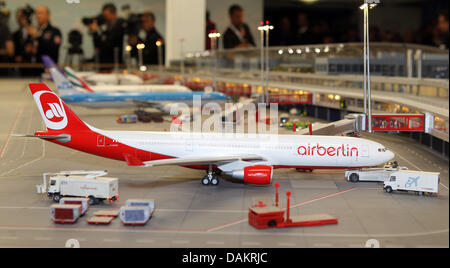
<point x="51" y="109"/>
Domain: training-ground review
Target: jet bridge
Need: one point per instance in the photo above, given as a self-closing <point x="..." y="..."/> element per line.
<point x="356" y="123"/>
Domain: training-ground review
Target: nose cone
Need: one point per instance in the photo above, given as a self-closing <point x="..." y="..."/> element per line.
<point x="389" y="156"/>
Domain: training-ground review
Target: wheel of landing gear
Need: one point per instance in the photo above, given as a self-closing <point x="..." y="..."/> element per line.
<point x="205" y="180"/>
<point x="354" y="177"/>
<point x="215" y="181"/>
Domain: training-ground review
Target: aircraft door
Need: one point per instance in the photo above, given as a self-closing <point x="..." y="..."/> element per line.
<point x="101" y="141"/>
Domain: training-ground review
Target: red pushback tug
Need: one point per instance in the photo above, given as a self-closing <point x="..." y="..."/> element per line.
<point x="263" y="216"/>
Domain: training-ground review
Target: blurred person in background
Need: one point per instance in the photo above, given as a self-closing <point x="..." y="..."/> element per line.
<point x="409" y="37"/>
<point x="25" y="51"/>
<point x="25" y="46"/>
<point x="6" y="42"/>
<point x="238" y="34"/>
<point x="284" y="36"/>
<point x="150" y="53"/>
<point x="304" y="34"/>
<point x="108" y="37"/>
<point x="48" y="37"/>
<point x="442" y="26"/>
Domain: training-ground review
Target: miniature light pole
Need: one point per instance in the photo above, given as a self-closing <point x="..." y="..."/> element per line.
<point x="261" y="30"/>
<point x="368" y="4"/>
<point x="264" y="29"/>
<point x="182" y="60"/>
<point x="214" y="35"/>
<point x="159" y="45"/>
<point x="128" y="49"/>
<point x="288" y="207"/>
<point x="140" y="47"/>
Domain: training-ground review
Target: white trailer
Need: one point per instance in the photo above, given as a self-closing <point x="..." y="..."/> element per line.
<point x="416" y="181"/>
<point x="97" y="189"/>
<point x="373" y="174"/>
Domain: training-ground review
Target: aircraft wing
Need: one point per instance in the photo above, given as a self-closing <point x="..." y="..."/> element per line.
<point x="184" y="161"/>
<point x="150" y="104"/>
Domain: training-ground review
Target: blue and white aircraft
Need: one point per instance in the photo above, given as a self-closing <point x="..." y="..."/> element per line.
<point x="160" y="100"/>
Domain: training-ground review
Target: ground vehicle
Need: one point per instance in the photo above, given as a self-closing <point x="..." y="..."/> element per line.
<point x="127" y="119"/>
<point x="263" y="216"/>
<point x="373" y="174"/>
<point x="96" y="189"/>
<point x="417" y="181"/>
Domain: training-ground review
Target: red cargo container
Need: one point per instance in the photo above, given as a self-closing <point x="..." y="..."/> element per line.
<point x="65" y="213"/>
<point x="84" y="202"/>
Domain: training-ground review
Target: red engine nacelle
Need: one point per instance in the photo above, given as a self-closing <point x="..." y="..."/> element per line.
<point x="258" y="174"/>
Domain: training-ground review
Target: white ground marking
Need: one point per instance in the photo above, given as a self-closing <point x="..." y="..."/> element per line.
<point x="215" y="242"/>
<point x="250" y="243"/>
<point x="286" y="234"/>
<point x="27" y="163"/>
<point x="145" y="241"/>
<point x="19" y="114"/>
<point x="8" y="238"/>
<point x="322" y="245"/>
<point x="28" y="131"/>
<point x="38" y="238"/>
<point x="180" y="241"/>
<point x="287" y="244"/>
<point x="111" y="240"/>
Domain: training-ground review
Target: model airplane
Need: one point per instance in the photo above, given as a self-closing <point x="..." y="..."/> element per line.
<point x="98" y="79"/>
<point x="123" y="87"/>
<point x="251" y="159"/>
<point x="163" y="101"/>
<point x="79" y="82"/>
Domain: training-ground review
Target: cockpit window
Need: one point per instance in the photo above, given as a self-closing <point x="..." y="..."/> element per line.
<point x="381" y="150"/>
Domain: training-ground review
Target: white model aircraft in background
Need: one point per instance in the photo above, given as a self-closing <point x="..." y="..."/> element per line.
<point x="98" y="79"/>
<point x="250" y="158"/>
<point x="84" y="84"/>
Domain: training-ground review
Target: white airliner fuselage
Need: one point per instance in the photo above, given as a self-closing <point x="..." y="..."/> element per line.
<point x="249" y="157"/>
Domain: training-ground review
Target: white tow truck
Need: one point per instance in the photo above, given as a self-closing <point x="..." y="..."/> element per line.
<point x="373" y="174"/>
<point x="419" y="182"/>
<point x="80" y="183"/>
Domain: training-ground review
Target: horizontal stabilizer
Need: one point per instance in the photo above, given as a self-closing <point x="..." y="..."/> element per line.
<point x="59" y="137"/>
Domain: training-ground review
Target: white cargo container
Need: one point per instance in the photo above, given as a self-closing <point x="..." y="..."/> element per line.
<point x="135" y="215"/>
<point x="416" y="181"/>
<point x="83" y="201"/>
<point x="97" y="189"/>
<point x="373" y="174"/>
<point x="141" y="203"/>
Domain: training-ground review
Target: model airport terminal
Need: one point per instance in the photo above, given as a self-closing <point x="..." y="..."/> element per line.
<point x="286" y="124"/>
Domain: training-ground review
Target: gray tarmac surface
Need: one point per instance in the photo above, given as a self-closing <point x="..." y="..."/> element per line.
<point x="190" y="215"/>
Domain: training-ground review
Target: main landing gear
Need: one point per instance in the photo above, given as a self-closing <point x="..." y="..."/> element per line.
<point x="211" y="177"/>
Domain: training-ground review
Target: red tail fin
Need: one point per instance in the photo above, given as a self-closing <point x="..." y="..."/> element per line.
<point x="56" y="115"/>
